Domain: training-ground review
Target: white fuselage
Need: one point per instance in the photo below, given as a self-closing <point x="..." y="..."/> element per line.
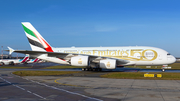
<point x="137" y="55"/>
<point x="8" y="61"/>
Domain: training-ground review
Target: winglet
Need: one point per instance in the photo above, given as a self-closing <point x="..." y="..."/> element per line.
<point x="10" y="50"/>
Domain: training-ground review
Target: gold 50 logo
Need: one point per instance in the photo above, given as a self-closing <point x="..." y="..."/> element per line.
<point x="145" y="55"/>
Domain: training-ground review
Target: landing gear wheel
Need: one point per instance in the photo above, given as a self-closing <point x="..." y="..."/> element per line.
<point x="94" y="69"/>
<point x="83" y="69"/>
<point x="87" y="69"/>
<point x="99" y="69"/>
<point x="1" y="63"/>
<point x="91" y="69"/>
<point x="163" y="70"/>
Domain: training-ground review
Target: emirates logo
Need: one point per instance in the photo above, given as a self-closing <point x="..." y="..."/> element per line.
<point x="108" y="64"/>
<point x="80" y="61"/>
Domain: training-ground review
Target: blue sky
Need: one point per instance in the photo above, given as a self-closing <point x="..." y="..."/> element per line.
<point x="93" y="23"/>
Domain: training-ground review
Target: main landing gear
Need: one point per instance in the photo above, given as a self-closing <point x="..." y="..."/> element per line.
<point x="91" y="69"/>
<point x="1" y="63"/>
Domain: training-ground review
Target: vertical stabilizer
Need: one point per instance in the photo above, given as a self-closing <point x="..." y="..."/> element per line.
<point x="25" y="59"/>
<point x="36" y="41"/>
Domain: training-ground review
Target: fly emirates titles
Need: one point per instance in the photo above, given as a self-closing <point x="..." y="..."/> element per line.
<point x="134" y="54"/>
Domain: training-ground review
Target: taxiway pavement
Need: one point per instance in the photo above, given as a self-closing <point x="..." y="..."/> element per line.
<point x="85" y="86"/>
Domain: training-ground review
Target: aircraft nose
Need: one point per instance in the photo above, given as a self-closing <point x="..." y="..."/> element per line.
<point x="172" y="59"/>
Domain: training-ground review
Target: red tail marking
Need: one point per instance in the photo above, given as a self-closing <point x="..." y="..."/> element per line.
<point x="48" y="49"/>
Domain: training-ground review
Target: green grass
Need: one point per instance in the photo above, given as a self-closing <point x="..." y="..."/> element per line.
<point x="140" y="75"/>
<point x="62" y="67"/>
<point x="51" y="67"/>
<point x="173" y="66"/>
<point x="114" y="75"/>
<point x="14" y="67"/>
<point x="43" y="73"/>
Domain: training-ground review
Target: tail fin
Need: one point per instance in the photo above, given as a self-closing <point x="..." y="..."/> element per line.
<point x="33" y="60"/>
<point x="36" y="60"/>
<point x="36" y="41"/>
<point x="25" y="59"/>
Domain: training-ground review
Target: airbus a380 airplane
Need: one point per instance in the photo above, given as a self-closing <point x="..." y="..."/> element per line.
<point x="94" y="58"/>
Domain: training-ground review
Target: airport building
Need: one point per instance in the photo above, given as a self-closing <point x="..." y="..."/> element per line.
<point x="4" y="56"/>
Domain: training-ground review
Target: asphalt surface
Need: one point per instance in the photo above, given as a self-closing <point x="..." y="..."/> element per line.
<point x="117" y="89"/>
<point x="16" y="88"/>
<point x="40" y="66"/>
<point x="85" y="86"/>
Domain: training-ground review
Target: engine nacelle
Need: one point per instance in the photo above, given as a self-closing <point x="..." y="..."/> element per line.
<point x="11" y="63"/>
<point x="80" y="61"/>
<point x="108" y="64"/>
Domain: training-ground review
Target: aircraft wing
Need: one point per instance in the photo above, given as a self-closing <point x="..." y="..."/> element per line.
<point x="67" y="56"/>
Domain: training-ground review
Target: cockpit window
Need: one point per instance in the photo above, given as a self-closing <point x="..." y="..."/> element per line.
<point x="168" y="54"/>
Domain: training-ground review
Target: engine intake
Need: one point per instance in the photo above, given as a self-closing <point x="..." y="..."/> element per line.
<point x="108" y="64"/>
<point x="80" y="61"/>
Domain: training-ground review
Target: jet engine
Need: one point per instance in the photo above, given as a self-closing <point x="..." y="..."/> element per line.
<point x="80" y="61"/>
<point x="11" y="63"/>
<point x="108" y="64"/>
